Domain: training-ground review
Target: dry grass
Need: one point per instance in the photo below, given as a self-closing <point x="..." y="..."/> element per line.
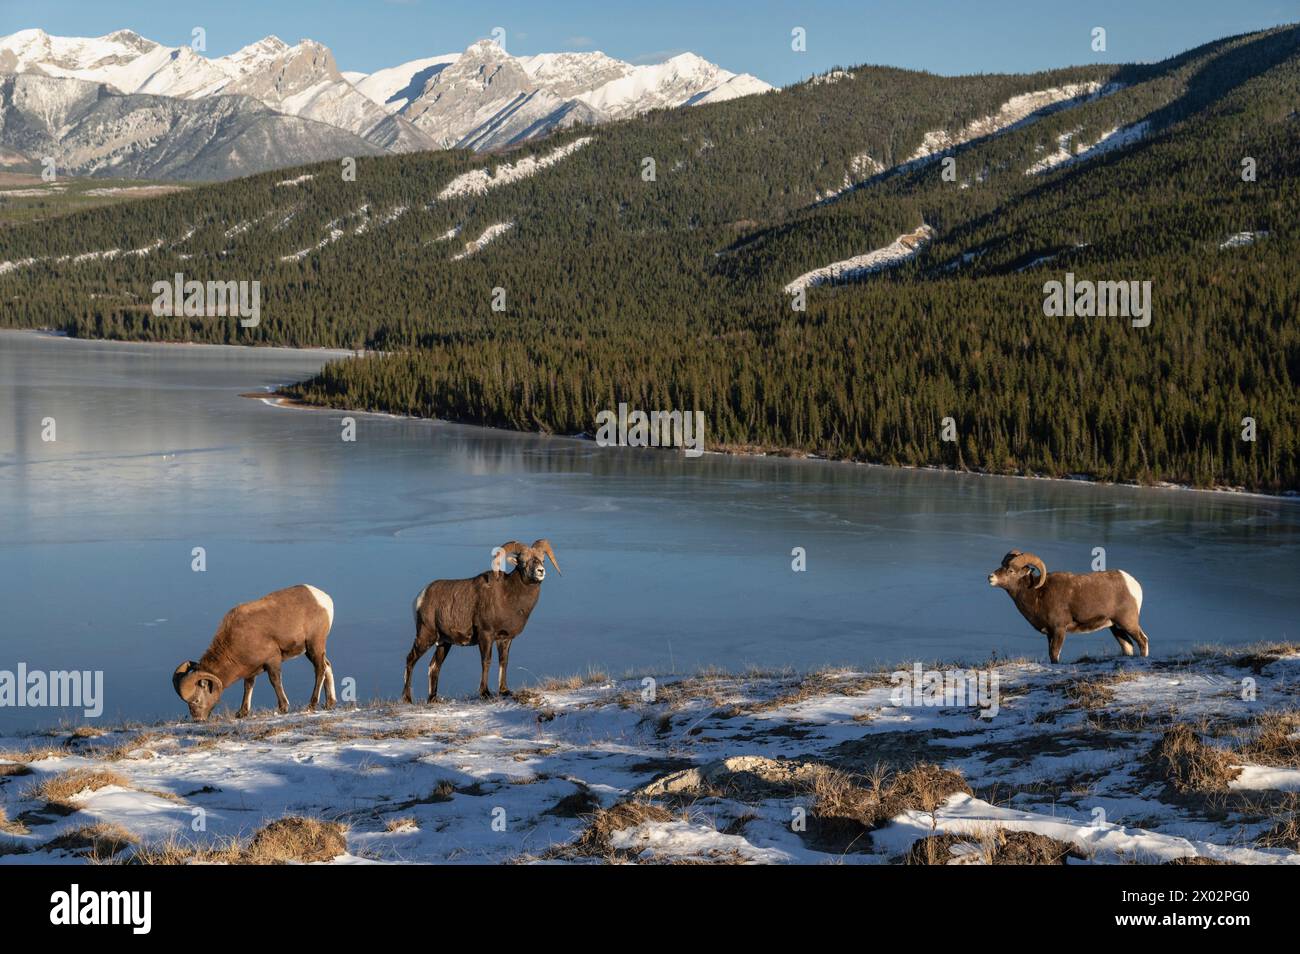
<point x="576" y="681"/>
<point x="27" y="756"/>
<point x="296" y="838"/>
<point x="1258" y="656"/>
<point x="59" y="790"/>
<point x="821" y="683"/>
<point x="11" y="827"/>
<point x="1090" y="693"/>
<point x="990" y="846"/>
<point x="595" y="840"/>
<point x="397" y="824"/>
<point x="1189" y="765"/>
<point x="97" y="842"/>
<point x="1273" y="739"/>
<point x="123" y="749"/>
<point x="176" y="852"/>
<point x="846" y="807"/>
<point x="86" y="732"/>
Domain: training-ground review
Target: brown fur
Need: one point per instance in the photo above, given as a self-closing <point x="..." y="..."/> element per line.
<point x="258" y="637"/>
<point x="487" y="610"/>
<point x="1059" y="603"/>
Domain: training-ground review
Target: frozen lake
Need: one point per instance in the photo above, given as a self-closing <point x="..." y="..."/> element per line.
<point x="668" y="563"/>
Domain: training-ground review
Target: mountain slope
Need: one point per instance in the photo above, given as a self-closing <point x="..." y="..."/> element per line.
<point x="93" y="131"/>
<point x="670" y="292"/>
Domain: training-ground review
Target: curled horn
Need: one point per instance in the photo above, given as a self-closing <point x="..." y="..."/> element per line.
<point x="545" y="546"/>
<point x="187" y="677"/>
<point x="1006" y="560"/>
<point x="511" y="549"/>
<point x="1028" y="559"/>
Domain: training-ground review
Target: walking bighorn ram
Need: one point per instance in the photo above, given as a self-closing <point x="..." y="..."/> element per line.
<point x="490" y="609"/>
<point x="1060" y="603"/>
<point x="257" y="637"/>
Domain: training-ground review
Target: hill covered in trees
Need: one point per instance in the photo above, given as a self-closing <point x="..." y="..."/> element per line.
<point x="648" y="261"/>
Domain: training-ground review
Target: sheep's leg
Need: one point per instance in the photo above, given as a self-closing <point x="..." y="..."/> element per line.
<point x="1129" y="623"/>
<point x="282" y="701"/>
<point x="485" y="655"/>
<point x="435" y="667"/>
<point x="1055" y="642"/>
<point x="247" y="705"/>
<point x="417" y="650"/>
<point x="503" y="660"/>
<point x="330" y="698"/>
<point x="318" y="663"/>
<point x="1122" y="637"/>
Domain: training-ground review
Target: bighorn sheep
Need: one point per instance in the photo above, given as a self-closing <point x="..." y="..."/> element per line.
<point x="1060" y="603"/>
<point x="490" y="609"/>
<point x="257" y="637"/>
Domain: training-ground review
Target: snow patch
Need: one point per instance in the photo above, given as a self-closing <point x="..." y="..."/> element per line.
<point x="480" y="181"/>
<point x="1116" y="138"/>
<point x="895" y="253"/>
<point x="491" y="233"/>
<point x="1242" y="239"/>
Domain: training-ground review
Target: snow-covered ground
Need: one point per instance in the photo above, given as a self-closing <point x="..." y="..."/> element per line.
<point x="895" y="253"/>
<point x="712" y="767"/>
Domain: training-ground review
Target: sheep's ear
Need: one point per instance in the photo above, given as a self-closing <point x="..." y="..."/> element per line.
<point x="1010" y="556"/>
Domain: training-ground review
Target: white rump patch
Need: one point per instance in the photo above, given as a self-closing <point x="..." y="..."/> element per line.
<point x="418" y="604"/>
<point x="323" y="598"/>
<point x="1134" y="588"/>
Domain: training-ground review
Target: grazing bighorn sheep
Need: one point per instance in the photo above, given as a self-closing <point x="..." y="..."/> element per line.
<point x="257" y="637"/>
<point x="1060" y="603"/>
<point x="490" y="609"/>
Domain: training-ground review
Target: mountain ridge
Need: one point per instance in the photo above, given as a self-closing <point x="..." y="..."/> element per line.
<point x="486" y="100"/>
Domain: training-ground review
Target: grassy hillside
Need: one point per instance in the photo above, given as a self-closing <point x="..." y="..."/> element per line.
<point x="668" y="293"/>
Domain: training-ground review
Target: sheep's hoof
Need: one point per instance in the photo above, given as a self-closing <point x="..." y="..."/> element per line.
<point x="406" y="697"/>
<point x="242" y="713"/>
<point x="283" y="710"/>
<point x="311" y="707"/>
<point x="484" y="694"/>
<point x="505" y="692"/>
<point x="431" y="700"/>
<point x="329" y="704"/>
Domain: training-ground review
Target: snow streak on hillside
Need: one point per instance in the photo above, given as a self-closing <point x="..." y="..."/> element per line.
<point x="895" y="253"/>
<point x="479" y="181"/>
<point x="1012" y="113"/>
<point x="1117" y="138"/>
<point x="490" y="234"/>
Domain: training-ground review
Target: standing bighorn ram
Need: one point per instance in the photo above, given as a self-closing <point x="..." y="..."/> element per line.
<point x="257" y="637"/>
<point x="1060" y="603"/>
<point x="490" y="609"/>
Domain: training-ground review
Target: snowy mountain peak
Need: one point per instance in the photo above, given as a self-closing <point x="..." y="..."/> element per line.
<point x="480" y="98"/>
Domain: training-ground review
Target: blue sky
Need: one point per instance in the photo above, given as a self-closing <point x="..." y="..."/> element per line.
<point x="945" y="36"/>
